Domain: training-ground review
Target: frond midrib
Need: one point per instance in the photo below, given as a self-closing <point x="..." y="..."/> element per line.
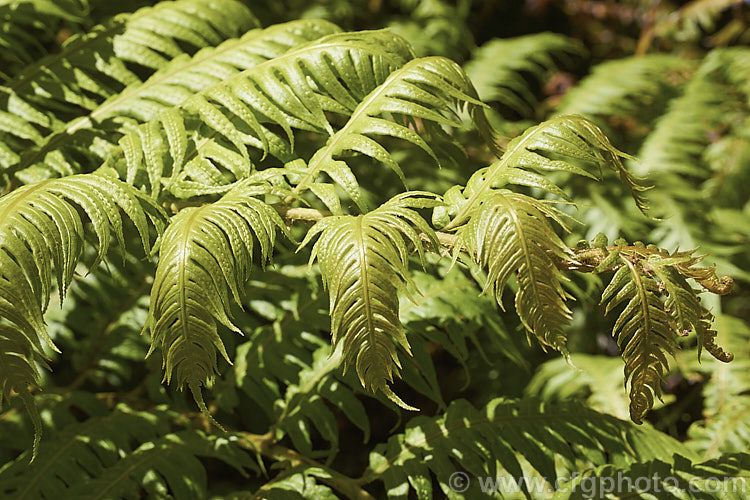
<point x="364" y="277"/>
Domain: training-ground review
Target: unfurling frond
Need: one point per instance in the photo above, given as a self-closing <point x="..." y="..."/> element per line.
<point x="501" y="68"/>
<point x="364" y="263"/>
<point x="568" y="143"/>
<point x="212" y="133"/>
<point x="41" y="227"/>
<point x="660" y="305"/>
<point x="508" y="233"/>
<point x="431" y="89"/>
<point x="205" y="257"/>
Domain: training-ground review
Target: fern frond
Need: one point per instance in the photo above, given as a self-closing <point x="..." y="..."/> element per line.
<point x="91" y="67"/>
<point x="593" y="379"/>
<point x="627" y="87"/>
<point x="500" y="68"/>
<point x="643" y="334"/>
<point x="431" y="89"/>
<point x="508" y="233"/>
<point x="364" y="263"/>
<point x="171" y="86"/>
<point x="205" y="257"/>
<point x="41" y="226"/>
<point x="78" y="451"/>
<point x="502" y="438"/>
<point x="27" y="29"/>
<point x="109" y="457"/>
<point x="647" y="328"/>
<point x="567" y="143"/>
<point x="693" y="19"/>
<point x="724" y="432"/>
<point x="290" y="91"/>
<point x="677" y="477"/>
<point x="681" y="135"/>
<point x="170" y="462"/>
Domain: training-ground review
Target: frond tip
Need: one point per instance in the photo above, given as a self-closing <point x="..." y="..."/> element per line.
<point x="364" y="263"/>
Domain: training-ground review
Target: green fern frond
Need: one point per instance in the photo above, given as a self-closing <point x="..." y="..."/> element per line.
<point x="627" y="87"/>
<point x="593" y="379"/>
<point x="27" y="30"/>
<point x="108" y="457"/>
<point x="205" y="257"/>
<point x="724" y="432"/>
<point x="508" y="233"/>
<point x="500" y="68"/>
<point x="693" y="19"/>
<point x="647" y="328"/>
<point x="694" y="119"/>
<point x="676" y="477"/>
<point x="168" y="463"/>
<point x="171" y="86"/>
<point x="63" y="86"/>
<point x="80" y="450"/>
<point x="364" y="263"/>
<point x="571" y="144"/>
<point x="430" y="89"/>
<point x="40" y="227"/>
<point x="503" y="440"/>
<point x="209" y="135"/>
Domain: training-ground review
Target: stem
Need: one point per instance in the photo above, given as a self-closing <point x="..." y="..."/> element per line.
<point x="583" y="260"/>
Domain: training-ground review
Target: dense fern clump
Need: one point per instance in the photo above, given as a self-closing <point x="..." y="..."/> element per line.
<point x="315" y="228"/>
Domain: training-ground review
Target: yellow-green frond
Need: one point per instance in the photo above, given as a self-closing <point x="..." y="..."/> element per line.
<point x="364" y="264"/>
<point x="430" y="89"/>
<point x="205" y="259"/>
<point x="41" y="233"/>
<point x="509" y="234"/>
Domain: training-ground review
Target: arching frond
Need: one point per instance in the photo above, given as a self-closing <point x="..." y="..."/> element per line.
<point x="508" y="233"/>
<point x="430" y="89"/>
<point x="681" y="135"/>
<point x="627" y="87"/>
<point x="293" y="90"/>
<point x="40" y="227"/>
<point x="364" y="263"/>
<point x="205" y="257"/>
<point x="171" y="86"/>
<point x="503" y="439"/>
<point x="500" y="68"/>
<point x="60" y="461"/>
<point x="92" y="67"/>
<point x="110" y="457"/>
<point x="567" y="143"/>
<point x="647" y="328"/>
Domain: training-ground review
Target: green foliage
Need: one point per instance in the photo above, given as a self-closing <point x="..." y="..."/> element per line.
<point x="266" y="174"/>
